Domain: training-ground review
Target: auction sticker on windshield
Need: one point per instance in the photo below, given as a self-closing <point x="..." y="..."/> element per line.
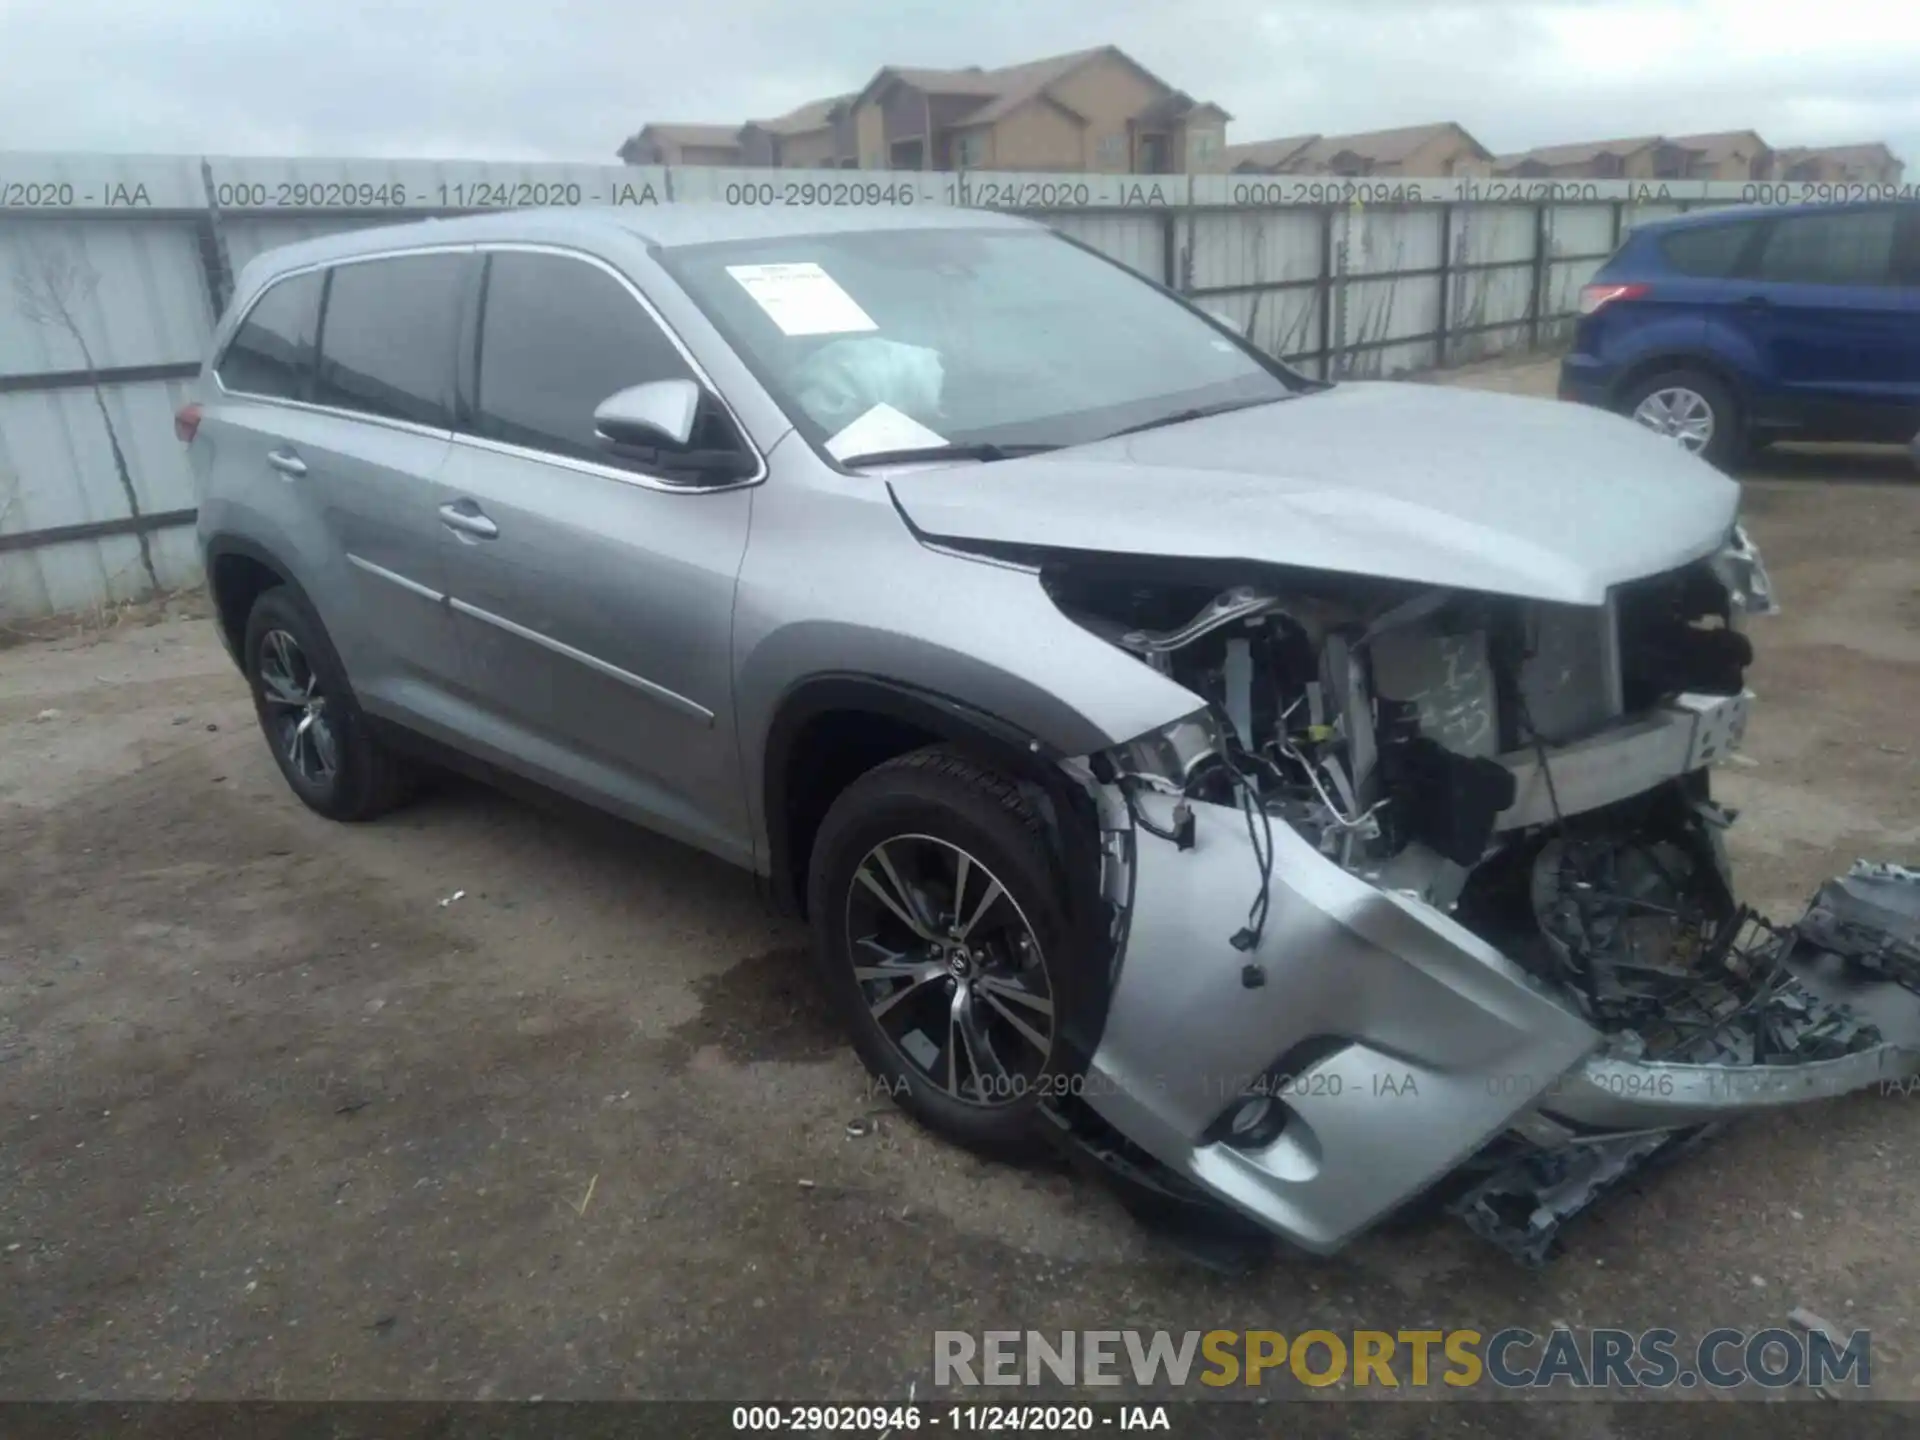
<point x="802" y="299"/>
<point x="882" y="428"/>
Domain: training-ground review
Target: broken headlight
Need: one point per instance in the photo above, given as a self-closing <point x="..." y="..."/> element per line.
<point x="1168" y="758"/>
<point x="1737" y="565"/>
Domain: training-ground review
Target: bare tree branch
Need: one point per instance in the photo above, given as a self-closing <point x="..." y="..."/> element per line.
<point x="49" y="287"/>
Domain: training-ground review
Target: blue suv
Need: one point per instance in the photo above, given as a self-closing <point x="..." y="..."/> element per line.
<point x="1727" y="329"/>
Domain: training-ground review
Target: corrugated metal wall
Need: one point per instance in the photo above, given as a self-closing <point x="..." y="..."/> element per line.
<point x="94" y="313"/>
<point x="113" y="268"/>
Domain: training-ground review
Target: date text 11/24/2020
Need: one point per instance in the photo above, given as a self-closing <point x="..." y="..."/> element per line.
<point x="913" y="1418"/>
<point x="589" y="186"/>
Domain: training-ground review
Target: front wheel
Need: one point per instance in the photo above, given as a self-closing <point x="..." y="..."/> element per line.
<point x="944" y="943"/>
<point x="1694" y="410"/>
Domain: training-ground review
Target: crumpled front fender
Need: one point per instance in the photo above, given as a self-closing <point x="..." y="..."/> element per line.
<point x="1399" y="1043"/>
<point x="1426" y="1040"/>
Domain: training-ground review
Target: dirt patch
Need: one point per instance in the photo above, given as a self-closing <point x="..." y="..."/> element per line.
<point x="106" y="620"/>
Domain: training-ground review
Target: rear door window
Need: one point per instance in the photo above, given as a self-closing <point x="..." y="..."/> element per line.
<point x="1709" y="252"/>
<point x="1834" y="247"/>
<point x="387" y="340"/>
<point x="1906" y="260"/>
<point x="271" y="352"/>
<point x="557" y="337"/>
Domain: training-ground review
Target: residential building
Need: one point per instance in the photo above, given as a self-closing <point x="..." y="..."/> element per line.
<point x="683" y="145"/>
<point x="1428" y="150"/>
<point x="818" y="135"/>
<point x="1727" y="155"/>
<point x="1269" y="157"/>
<point x="1644" y="157"/>
<point x="1871" y="164"/>
<point x="1094" y="110"/>
<point x="1424" y="150"/>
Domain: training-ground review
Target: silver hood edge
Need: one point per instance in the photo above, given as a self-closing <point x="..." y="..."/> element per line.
<point x="1409" y="482"/>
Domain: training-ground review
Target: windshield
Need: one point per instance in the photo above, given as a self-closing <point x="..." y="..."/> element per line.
<point x="876" y="342"/>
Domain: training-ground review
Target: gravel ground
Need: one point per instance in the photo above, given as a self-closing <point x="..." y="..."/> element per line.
<point x="280" y="1116"/>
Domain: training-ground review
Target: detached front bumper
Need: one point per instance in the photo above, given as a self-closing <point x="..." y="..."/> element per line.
<point x="1399" y="1044"/>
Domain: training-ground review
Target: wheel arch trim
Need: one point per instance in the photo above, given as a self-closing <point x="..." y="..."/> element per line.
<point x="1674" y="362"/>
<point x="947" y="719"/>
<point x="225" y="544"/>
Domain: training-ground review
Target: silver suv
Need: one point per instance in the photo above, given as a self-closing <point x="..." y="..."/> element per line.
<point x="1290" y="796"/>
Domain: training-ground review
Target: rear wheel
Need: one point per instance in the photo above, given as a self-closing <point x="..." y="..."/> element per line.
<point x="318" y="735"/>
<point x="945" y="946"/>
<point x="1694" y="410"/>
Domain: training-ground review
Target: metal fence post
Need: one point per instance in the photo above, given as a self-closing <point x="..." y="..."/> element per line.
<point x="215" y="258"/>
<point x="1325" y="292"/>
<point x="1342" y="265"/>
<point x="1536" y="302"/>
<point x="1446" y="287"/>
<point x="1179" y="263"/>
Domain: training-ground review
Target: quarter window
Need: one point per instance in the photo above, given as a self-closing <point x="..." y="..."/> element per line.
<point x="387" y="343"/>
<point x="1711" y="252"/>
<point x="1844" y="247"/>
<point x="271" y="353"/>
<point x="558" y="336"/>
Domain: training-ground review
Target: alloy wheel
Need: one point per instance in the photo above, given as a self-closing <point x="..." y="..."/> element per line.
<point x="297" y="719"/>
<point x="1680" y="414"/>
<point x="950" y="969"/>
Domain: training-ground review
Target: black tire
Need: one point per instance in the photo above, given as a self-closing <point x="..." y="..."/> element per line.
<point x="938" y="797"/>
<point x="365" y="779"/>
<point x="1728" y="446"/>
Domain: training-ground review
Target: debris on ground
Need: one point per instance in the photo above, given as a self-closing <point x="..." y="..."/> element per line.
<point x="1871" y="917"/>
<point x="448" y="900"/>
<point x="1739" y="1007"/>
<point x="1802" y="1318"/>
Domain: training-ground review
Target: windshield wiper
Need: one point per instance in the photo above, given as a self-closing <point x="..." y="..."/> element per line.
<point x="1198" y="412"/>
<point x="983" y="451"/>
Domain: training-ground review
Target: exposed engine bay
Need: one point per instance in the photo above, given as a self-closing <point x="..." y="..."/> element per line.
<point x="1536" y="771"/>
<point x="1408" y="735"/>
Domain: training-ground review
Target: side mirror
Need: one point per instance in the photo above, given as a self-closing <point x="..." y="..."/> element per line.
<point x="653" y="426"/>
<point x="645" y="417"/>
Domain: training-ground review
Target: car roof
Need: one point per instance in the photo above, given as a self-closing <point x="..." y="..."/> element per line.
<point x="667" y="227"/>
<point x="1726" y="214"/>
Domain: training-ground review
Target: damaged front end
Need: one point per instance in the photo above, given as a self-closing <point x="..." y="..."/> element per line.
<point x="1431" y="891"/>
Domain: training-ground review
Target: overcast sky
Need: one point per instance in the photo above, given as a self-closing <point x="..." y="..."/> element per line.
<point x="568" y="79"/>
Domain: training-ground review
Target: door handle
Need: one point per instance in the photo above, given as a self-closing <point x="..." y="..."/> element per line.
<point x="465" y="517"/>
<point x="286" y="462"/>
<point x="1757" y="302"/>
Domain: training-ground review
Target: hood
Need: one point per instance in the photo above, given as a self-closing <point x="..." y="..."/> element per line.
<point x="1422" y="483"/>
